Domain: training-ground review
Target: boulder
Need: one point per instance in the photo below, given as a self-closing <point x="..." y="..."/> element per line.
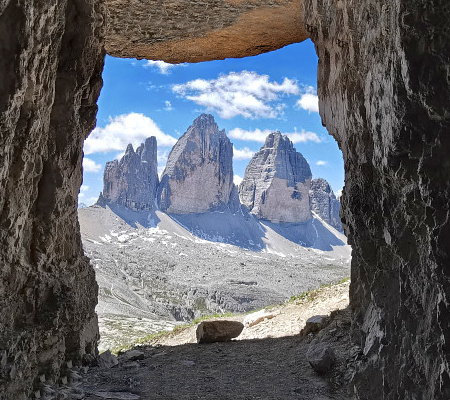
<point x="218" y="331"/>
<point x="320" y="356"/>
<point x="314" y="324"/>
<point x="199" y="172"/>
<point x="107" y="360"/>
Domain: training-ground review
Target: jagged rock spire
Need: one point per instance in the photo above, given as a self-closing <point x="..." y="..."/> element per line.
<point x="132" y="182"/>
<point x="199" y="173"/>
<point x="276" y="183"/>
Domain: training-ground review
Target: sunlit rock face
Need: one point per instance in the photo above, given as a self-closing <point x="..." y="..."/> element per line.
<point x="276" y="183"/>
<point x="196" y="30"/>
<point x="51" y="60"/>
<point x="383" y="89"/>
<point x="199" y="172"/>
<point x="132" y="181"/>
<point x="324" y="203"/>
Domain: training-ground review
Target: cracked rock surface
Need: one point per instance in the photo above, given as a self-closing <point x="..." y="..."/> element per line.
<point x="51" y="60"/>
<point x="383" y="89"/>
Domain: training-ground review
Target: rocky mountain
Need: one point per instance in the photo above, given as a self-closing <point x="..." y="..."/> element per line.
<point x="277" y="181"/>
<point x="199" y="172"/>
<point x="154" y="269"/>
<point x="132" y="182"/>
<point x="324" y="203"/>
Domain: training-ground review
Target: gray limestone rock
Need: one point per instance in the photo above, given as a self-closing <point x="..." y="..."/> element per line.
<point x="276" y="182"/>
<point x="107" y="360"/>
<point x="132" y="181"/>
<point x="324" y="203"/>
<point x="199" y="172"/>
<point x="320" y="356"/>
<point x="218" y="331"/>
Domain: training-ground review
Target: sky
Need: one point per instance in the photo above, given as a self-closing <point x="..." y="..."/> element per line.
<point x="248" y="97"/>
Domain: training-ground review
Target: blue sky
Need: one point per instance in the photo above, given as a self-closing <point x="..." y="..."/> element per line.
<point x="249" y="98"/>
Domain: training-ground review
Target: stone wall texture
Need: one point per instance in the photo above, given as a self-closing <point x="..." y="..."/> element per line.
<point x="51" y="61"/>
<point x="383" y="86"/>
<point x="200" y="30"/>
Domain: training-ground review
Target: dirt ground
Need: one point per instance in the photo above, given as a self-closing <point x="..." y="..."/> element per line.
<point x="267" y="361"/>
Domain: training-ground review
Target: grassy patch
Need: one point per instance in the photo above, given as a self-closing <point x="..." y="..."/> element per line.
<point x="304" y="296"/>
<point x="310" y="295"/>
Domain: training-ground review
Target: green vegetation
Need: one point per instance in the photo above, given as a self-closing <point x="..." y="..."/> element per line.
<point x="312" y="294"/>
<point x="141" y="341"/>
<point x="304" y="296"/>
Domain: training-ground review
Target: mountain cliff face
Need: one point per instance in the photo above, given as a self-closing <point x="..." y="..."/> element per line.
<point x="324" y="203"/>
<point x="132" y="181"/>
<point x="199" y="172"/>
<point x="276" y="182"/>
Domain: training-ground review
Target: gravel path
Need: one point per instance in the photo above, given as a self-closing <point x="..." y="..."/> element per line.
<point x="267" y="362"/>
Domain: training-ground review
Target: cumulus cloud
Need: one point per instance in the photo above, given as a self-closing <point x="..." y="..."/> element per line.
<point x="308" y="100"/>
<point x="338" y="194"/>
<point x="163" y="67"/>
<point x="258" y="135"/>
<point x="242" y="154"/>
<point x="321" y="163"/>
<point x="90" y="165"/>
<point x="168" y="106"/>
<point x="244" y="93"/>
<point x="237" y="179"/>
<point x="131" y="128"/>
<point x="83" y="189"/>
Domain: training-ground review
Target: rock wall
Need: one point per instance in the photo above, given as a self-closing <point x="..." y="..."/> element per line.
<point x="276" y="183"/>
<point x="383" y="87"/>
<point x="324" y="203"/>
<point x="132" y="181"/>
<point x="51" y="61"/>
<point x="199" y="172"/>
<point x="197" y="30"/>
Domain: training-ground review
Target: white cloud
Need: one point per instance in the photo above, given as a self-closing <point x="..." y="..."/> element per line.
<point x="244" y="93"/>
<point x="338" y="194"/>
<point x="309" y="100"/>
<point x="91" y="200"/>
<point x="242" y="154"/>
<point x="131" y="128"/>
<point x="163" y="67"/>
<point x="168" y="106"/>
<point x="84" y="188"/>
<point x="237" y="179"/>
<point x="321" y="163"/>
<point x="90" y="165"/>
<point x="259" y="135"/>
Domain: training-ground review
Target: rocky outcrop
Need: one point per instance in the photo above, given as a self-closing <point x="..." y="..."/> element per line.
<point x="277" y="181"/>
<point x="198" y="30"/>
<point x="132" y="181"/>
<point x="50" y="77"/>
<point x="324" y="203"/>
<point x="383" y="89"/>
<point x="199" y="172"/>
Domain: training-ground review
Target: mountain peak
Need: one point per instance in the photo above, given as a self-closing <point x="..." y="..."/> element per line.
<point x="277" y="181"/>
<point x="132" y="182"/>
<point x="199" y="172"/>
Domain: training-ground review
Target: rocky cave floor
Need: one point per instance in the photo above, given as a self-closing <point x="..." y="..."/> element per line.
<point x="267" y="361"/>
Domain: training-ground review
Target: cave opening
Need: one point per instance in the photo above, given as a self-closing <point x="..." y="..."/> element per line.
<point x="249" y="98"/>
<point x="383" y="86"/>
